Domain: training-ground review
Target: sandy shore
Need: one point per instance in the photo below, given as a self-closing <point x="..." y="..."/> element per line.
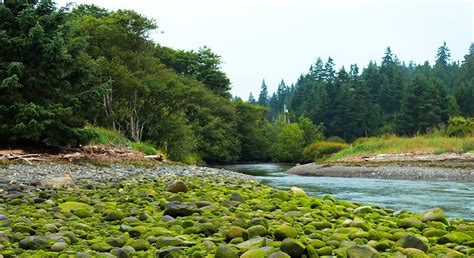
<point x="400" y="170"/>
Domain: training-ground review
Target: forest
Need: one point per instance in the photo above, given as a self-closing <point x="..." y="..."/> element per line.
<point x="65" y="71"/>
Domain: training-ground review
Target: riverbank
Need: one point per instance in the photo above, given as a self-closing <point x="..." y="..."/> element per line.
<point x="188" y="211"/>
<point x="448" y="167"/>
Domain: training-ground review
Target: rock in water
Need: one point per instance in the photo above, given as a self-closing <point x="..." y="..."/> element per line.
<point x="435" y="214"/>
<point x="410" y="241"/>
<point x="298" y="192"/>
<point x="58" y="182"/>
<point x="177" y="186"/>
<point x="361" y="251"/>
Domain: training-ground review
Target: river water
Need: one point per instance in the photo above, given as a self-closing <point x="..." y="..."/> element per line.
<point x="455" y="198"/>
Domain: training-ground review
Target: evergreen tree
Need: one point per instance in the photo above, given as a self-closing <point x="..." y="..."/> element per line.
<point x="263" y="97"/>
<point x="251" y="99"/>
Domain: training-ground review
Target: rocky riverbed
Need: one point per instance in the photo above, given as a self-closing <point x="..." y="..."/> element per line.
<point x="390" y="170"/>
<point x="63" y="210"/>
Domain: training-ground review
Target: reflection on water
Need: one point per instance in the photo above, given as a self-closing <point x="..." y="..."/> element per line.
<point x="457" y="199"/>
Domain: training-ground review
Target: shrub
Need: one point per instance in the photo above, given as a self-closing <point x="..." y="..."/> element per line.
<point x="439" y="151"/>
<point x="468" y="146"/>
<point x="144" y="147"/>
<point x="193" y="159"/>
<point x="322" y="150"/>
<point x="335" y="139"/>
<point x="460" y="127"/>
<point x="106" y="136"/>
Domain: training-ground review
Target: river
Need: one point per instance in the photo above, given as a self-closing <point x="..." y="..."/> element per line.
<point x="455" y="198"/>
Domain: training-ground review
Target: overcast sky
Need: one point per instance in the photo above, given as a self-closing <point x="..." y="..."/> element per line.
<point x="280" y="39"/>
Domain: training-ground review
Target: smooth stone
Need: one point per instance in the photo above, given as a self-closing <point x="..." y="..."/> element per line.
<point x="34" y="243"/>
<point x="254" y="253"/>
<point x="58" y="182"/>
<point x="177" y="186"/>
<point x="279" y="255"/>
<point x="410" y="241"/>
<point x="59" y="246"/>
<point x="435" y="214"/>
<point x="361" y="251"/>
<point x="283" y="232"/>
<point x="252" y="243"/>
<point x="224" y="251"/>
<point x="235" y="196"/>
<point x="298" y="192"/>
<point x="178" y="209"/>
<point x="292" y="247"/>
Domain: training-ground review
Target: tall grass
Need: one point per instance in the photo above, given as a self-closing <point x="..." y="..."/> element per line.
<point x="144" y="147"/>
<point x="419" y="144"/>
<point x="106" y="136"/>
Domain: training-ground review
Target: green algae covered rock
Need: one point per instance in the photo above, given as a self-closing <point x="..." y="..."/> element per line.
<point x="140" y="218"/>
<point x="254" y="253"/>
<point x="234" y="232"/>
<point x="455" y="237"/>
<point x="292" y="247"/>
<point x="283" y="232"/>
<point x="224" y="251"/>
<point x="280" y="255"/>
<point x="101" y="247"/>
<point x="410" y="241"/>
<point x="435" y="214"/>
<point x="361" y="251"/>
<point x="177" y="186"/>
<point x="298" y="192"/>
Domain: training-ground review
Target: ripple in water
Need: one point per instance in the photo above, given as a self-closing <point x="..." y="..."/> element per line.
<point x="455" y="198"/>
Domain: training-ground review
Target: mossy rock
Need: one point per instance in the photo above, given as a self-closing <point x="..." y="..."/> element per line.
<point x="410" y="241"/>
<point x="168" y="241"/>
<point x="234" y="232"/>
<point x="224" y="251"/>
<point x="414" y="252"/>
<point x="138" y="244"/>
<point x="101" y="247"/>
<point x="410" y="223"/>
<point x="382" y="245"/>
<point x="435" y="214"/>
<point x="326" y="250"/>
<point x="321" y="224"/>
<point x="298" y="192"/>
<point x="69" y="206"/>
<point x="282" y="232"/>
<point x="113" y="215"/>
<point x="280" y="255"/>
<point x="361" y="251"/>
<point x="281" y="195"/>
<point x="254" y="253"/>
<point x="434" y="232"/>
<point x="292" y="247"/>
<point x="252" y="243"/>
<point x="316" y="243"/>
<point x="455" y="237"/>
<point x="257" y="230"/>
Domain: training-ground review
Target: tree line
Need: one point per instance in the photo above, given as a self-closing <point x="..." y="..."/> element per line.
<point x="387" y="98"/>
<point x="62" y="69"/>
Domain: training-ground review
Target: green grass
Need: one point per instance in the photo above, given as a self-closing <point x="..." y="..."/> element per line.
<point x="106" y="136"/>
<point x="419" y="144"/>
<point x="144" y="147"/>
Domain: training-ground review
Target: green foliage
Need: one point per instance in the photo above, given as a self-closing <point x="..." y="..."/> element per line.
<point x="106" y="136"/>
<point x="322" y="150"/>
<point x="289" y="143"/>
<point x="145" y="148"/>
<point x="460" y="127"/>
<point x="439" y="151"/>
<point x="311" y="132"/>
<point x="468" y="146"/>
<point x="337" y="139"/>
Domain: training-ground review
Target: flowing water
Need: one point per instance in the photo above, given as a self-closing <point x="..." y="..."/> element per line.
<point x="455" y="198"/>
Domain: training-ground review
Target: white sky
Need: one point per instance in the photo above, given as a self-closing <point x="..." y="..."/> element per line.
<point x="280" y="39"/>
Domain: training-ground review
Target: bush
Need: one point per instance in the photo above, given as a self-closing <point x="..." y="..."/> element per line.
<point x="335" y="139"/>
<point x="468" y="146"/>
<point x="144" y="147"/>
<point x="460" y="127"/>
<point x="439" y="151"/>
<point x="106" y="136"/>
<point x="322" y="150"/>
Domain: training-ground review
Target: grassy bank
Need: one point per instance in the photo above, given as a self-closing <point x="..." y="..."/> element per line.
<point x="420" y="144"/>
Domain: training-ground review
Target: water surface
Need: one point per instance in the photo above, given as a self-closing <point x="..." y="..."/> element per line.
<point x="456" y="198"/>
